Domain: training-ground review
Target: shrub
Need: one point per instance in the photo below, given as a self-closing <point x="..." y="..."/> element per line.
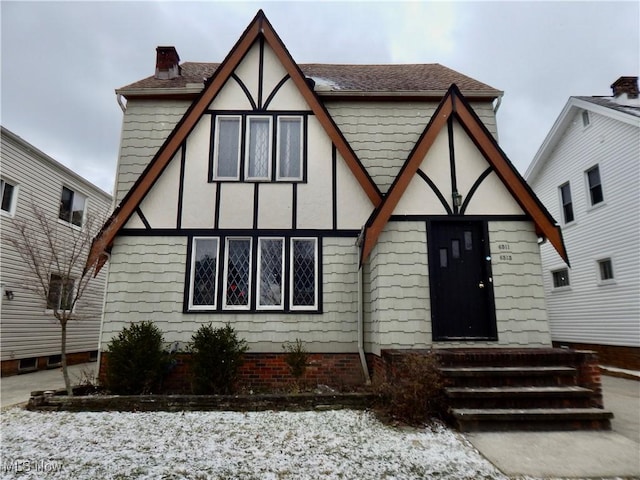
<point x="216" y="357"/>
<point x="137" y="360"/>
<point x="414" y="393"/>
<point x="297" y="359"/>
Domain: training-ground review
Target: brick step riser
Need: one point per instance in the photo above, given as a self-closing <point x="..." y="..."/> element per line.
<point x="539" y="426"/>
<point x="508" y="381"/>
<point x="522" y="403"/>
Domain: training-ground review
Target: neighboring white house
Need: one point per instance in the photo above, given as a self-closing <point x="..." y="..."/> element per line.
<point x="299" y="201"/>
<point x="29" y="334"/>
<point x="587" y="173"/>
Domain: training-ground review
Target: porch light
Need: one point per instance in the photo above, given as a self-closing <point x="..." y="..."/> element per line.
<point x="457" y="199"/>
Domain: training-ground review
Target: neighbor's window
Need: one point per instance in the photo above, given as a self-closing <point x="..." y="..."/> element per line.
<point x="72" y="206"/>
<point x="304" y="273"/>
<point x="259" y="148"/>
<point x="270" y="269"/>
<point x="289" y="148"/>
<point x="567" y="203"/>
<point x="227" y="148"/>
<point x="204" y="273"/>
<point x="60" y="295"/>
<point x="595" y="185"/>
<point x="560" y="278"/>
<point x="605" y="268"/>
<point x="585" y="118"/>
<point x="237" y="270"/>
<point x="9" y="191"/>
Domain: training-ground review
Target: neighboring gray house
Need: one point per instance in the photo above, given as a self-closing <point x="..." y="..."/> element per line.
<point x="359" y="208"/>
<point x="587" y="173"/>
<point x="29" y="335"/>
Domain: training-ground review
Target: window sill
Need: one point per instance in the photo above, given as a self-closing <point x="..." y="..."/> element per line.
<point x="572" y="223"/>
<point x="70" y="225"/>
<point x="607" y="283"/>
<point x="597" y="206"/>
<point x="561" y="289"/>
<point x="4" y="213"/>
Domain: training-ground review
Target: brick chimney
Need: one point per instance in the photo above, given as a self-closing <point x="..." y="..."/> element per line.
<point x="167" y="63"/>
<point x="625" y="85"/>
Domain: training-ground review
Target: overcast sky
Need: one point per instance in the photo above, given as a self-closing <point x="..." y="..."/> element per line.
<point x="62" y="61"/>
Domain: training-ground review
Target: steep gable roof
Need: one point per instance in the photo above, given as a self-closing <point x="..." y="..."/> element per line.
<point x="340" y="79"/>
<point x="258" y="28"/>
<point x="454" y="104"/>
<point x="601" y="105"/>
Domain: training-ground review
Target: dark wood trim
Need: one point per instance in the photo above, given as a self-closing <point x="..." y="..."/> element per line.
<point x="436" y="190"/>
<point x="245" y="90"/>
<point x="212" y="232"/>
<point x="183" y="158"/>
<point x="260" y="71"/>
<point x="334" y="188"/>
<point x="294" y="206"/>
<point x="256" y="204"/>
<point x="460" y="218"/>
<point x="275" y="91"/>
<point x="452" y="163"/>
<point x="216" y="215"/>
<point x="473" y="189"/>
<point x="143" y="218"/>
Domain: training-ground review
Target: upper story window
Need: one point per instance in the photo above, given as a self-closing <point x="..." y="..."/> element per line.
<point x="262" y="148"/>
<point x="60" y="295"/>
<point x="560" y="278"/>
<point x="585" y="118"/>
<point x="605" y="268"/>
<point x="9" y="196"/>
<point x="595" y="185"/>
<point x="567" y="203"/>
<point x="72" y="207"/>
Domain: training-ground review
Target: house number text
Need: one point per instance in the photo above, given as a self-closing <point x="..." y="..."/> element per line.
<point x="505" y="252"/>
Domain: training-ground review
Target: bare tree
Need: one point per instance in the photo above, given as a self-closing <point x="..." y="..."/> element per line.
<point x="55" y="253"/>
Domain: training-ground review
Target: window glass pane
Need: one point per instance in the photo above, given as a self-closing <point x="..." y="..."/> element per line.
<point x="228" y="147"/>
<point x="259" y="148"/>
<point x="78" y="209"/>
<point x="7" y="196"/>
<point x="560" y="278"/>
<point x="444" y="259"/>
<point x="468" y="240"/>
<point x="304" y="272"/>
<point x="567" y="203"/>
<point x="595" y="185"/>
<point x="289" y="138"/>
<point x="606" y="269"/>
<point x="238" y="258"/>
<point x="585" y="118"/>
<point x="66" y="204"/>
<point x="270" y="288"/>
<point x="205" y="271"/>
<point x="60" y="293"/>
<point x="455" y="248"/>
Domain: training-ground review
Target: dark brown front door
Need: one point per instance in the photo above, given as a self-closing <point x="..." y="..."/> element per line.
<point x="462" y="305"/>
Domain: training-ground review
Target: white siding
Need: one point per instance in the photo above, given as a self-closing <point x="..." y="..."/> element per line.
<point x="26" y="329"/>
<point x="587" y="311"/>
<point x="146" y="282"/>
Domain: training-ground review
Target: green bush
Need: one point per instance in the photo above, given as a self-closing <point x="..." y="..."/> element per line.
<point x="216" y="357"/>
<point x="414" y="393"/>
<point x="137" y="360"/>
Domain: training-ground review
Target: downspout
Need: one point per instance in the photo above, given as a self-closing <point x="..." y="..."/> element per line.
<point x="498" y="103"/>
<point x="123" y="107"/>
<point x="363" y="358"/>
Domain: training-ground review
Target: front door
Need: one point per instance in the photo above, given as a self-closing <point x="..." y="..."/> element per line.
<point x="462" y="305"/>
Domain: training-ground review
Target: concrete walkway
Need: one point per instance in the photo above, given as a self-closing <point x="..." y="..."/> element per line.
<point x="581" y="454"/>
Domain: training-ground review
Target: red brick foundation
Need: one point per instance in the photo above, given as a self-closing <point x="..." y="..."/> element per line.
<point x="612" y="355"/>
<point x="269" y="372"/>
<point x="11" y="367"/>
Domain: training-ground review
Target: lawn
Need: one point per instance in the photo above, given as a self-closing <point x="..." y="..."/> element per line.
<point x="342" y="444"/>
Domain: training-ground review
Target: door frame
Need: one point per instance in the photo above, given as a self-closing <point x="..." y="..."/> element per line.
<point x="488" y="274"/>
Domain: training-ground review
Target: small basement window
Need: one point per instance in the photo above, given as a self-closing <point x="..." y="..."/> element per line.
<point x="54" y="361"/>
<point x="560" y="278"/>
<point x="27" y="364"/>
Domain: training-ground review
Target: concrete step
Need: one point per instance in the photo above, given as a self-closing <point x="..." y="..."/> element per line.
<point x="470" y="419"/>
<point x="520" y="397"/>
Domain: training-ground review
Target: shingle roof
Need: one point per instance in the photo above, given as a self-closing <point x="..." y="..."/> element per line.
<point x="608" y="102"/>
<point x="342" y="78"/>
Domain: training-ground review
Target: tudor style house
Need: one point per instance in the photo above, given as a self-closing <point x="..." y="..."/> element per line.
<point x="586" y="172"/>
<point x="29" y="334"/>
<point x="359" y="208"/>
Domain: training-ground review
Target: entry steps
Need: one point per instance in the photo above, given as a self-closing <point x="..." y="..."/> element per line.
<point x="532" y="395"/>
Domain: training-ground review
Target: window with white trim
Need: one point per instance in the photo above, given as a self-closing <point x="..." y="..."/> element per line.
<point x="289" y="148"/>
<point x="567" y="203"/>
<point x="560" y="278"/>
<point x="60" y="295"/>
<point x="9" y="195"/>
<point x="270" y="269"/>
<point x="595" y="185"/>
<point x="258" y="149"/>
<point x="605" y="270"/>
<point x="304" y="273"/>
<point x="237" y="273"/>
<point x="585" y="118"/>
<point x="72" y="207"/>
<point x="227" y="148"/>
<point x="204" y="273"/>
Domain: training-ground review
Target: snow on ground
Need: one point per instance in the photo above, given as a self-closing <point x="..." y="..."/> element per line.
<point x="341" y="444"/>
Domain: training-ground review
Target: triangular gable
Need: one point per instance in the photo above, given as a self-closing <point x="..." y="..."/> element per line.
<point x="259" y="27"/>
<point x="455" y="104"/>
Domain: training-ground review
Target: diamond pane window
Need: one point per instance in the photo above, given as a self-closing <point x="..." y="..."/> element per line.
<point x="227" y="147"/>
<point x="204" y="272"/>
<point x="304" y="273"/>
<point x="290" y="148"/>
<point x="259" y="148"/>
<point x="237" y="272"/>
<point x="270" y="257"/>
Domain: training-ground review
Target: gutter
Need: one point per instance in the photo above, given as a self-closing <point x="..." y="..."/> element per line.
<point x="498" y="103"/>
<point x="363" y="358"/>
<point x="123" y="107"/>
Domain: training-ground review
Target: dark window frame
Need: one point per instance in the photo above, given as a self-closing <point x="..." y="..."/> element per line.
<point x="560" y="278"/>
<point x="594" y="185"/>
<point x="566" y="203"/>
<point x="8" y="196"/>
